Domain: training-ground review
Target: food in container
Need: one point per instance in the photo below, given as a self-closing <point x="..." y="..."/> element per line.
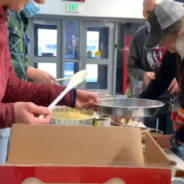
<point x="66" y="115"/>
<point x="69" y="116"/>
<point x="154" y="132"/>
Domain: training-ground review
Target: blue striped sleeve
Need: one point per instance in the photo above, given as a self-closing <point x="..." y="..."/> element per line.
<point x="74" y="97"/>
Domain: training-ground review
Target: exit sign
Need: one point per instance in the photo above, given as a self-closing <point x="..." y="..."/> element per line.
<point x="72" y="7"/>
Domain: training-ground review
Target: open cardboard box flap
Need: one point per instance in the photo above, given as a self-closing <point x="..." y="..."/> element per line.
<point x="78" y="145"/>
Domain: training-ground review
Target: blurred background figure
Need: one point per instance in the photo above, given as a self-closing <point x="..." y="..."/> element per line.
<point x="143" y="64"/>
<point x="19" y="40"/>
<point x="167" y="22"/>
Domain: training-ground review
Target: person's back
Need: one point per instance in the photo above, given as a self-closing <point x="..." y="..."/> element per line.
<point x="17" y="25"/>
<point x="136" y="64"/>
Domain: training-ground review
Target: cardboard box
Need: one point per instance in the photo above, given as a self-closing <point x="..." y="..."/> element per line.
<point x="59" y="154"/>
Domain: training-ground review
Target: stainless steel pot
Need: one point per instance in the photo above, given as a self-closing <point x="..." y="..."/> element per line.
<point x="129" y="107"/>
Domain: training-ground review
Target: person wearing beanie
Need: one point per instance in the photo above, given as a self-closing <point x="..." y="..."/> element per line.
<point x="142" y="65"/>
<point x="166" y="24"/>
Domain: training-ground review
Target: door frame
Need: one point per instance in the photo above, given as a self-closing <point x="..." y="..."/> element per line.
<point x="59" y="20"/>
<point x="41" y="59"/>
<point x="107" y="62"/>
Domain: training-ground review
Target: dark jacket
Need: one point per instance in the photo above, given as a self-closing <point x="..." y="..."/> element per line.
<point x="170" y="68"/>
<point x="137" y="63"/>
<point x="168" y="71"/>
<point x="142" y="60"/>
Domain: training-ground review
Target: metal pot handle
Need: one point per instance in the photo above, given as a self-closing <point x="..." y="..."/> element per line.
<point x="101" y="113"/>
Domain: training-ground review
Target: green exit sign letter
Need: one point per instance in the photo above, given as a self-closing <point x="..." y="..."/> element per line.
<point x="73" y="7"/>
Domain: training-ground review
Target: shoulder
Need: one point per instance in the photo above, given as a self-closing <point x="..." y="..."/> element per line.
<point x="171" y="56"/>
<point x="170" y="59"/>
<point x="12" y="17"/>
<point x="139" y="37"/>
<point x="12" y="14"/>
<point x="140" y="33"/>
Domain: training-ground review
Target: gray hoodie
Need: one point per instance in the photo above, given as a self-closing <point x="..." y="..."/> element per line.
<point x="140" y="60"/>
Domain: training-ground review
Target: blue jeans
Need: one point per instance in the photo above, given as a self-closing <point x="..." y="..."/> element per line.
<point x="4" y="144"/>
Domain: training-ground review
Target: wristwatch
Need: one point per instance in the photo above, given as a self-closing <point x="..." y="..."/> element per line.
<point x="174" y="142"/>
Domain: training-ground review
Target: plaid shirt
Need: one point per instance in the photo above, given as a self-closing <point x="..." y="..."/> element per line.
<point x="17" y="29"/>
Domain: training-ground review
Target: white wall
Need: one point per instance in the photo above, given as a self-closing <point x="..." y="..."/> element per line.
<point x="97" y="8"/>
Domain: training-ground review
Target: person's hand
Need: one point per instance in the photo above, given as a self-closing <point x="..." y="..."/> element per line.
<point x="118" y="121"/>
<point x="164" y="141"/>
<point x="40" y="76"/>
<point x="174" y="87"/>
<point x="86" y="99"/>
<point x="148" y="77"/>
<point x="24" y="112"/>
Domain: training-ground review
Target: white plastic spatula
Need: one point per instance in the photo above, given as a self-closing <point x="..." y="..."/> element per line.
<point x="62" y="79"/>
<point x="74" y="81"/>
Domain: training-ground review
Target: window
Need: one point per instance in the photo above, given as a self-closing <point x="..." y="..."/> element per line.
<point x="45" y="40"/>
<point x="97" y="42"/>
<point x="97" y="76"/>
<point x="71" y="40"/>
<point x="70" y="68"/>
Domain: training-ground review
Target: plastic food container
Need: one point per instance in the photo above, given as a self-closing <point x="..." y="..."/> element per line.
<point x="152" y="132"/>
<point x="103" y="121"/>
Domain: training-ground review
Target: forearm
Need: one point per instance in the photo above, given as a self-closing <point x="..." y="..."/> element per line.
<point x="155" y="89"/>
<point x="6" y="115"/>
<point x="42" y="95"/>
<point x="136" y="73"/>
<point x="30" y="72"/>
<point x="39" y="94"/>
<point x="162" y="80"/>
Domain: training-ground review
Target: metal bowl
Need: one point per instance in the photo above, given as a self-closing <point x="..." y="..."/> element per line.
<point x="129" y="107"/>
<point x="82" y="122"/>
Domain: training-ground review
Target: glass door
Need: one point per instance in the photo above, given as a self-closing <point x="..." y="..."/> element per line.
<point x="97" y="55"/>
<point x="45" y="47"/>
<point x="71" y="45"/>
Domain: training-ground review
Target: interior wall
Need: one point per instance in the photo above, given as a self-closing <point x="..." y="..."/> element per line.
<point x="97" y="8"/>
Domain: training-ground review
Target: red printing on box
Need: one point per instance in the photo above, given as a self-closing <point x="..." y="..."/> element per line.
<point x="59" y="175"/>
